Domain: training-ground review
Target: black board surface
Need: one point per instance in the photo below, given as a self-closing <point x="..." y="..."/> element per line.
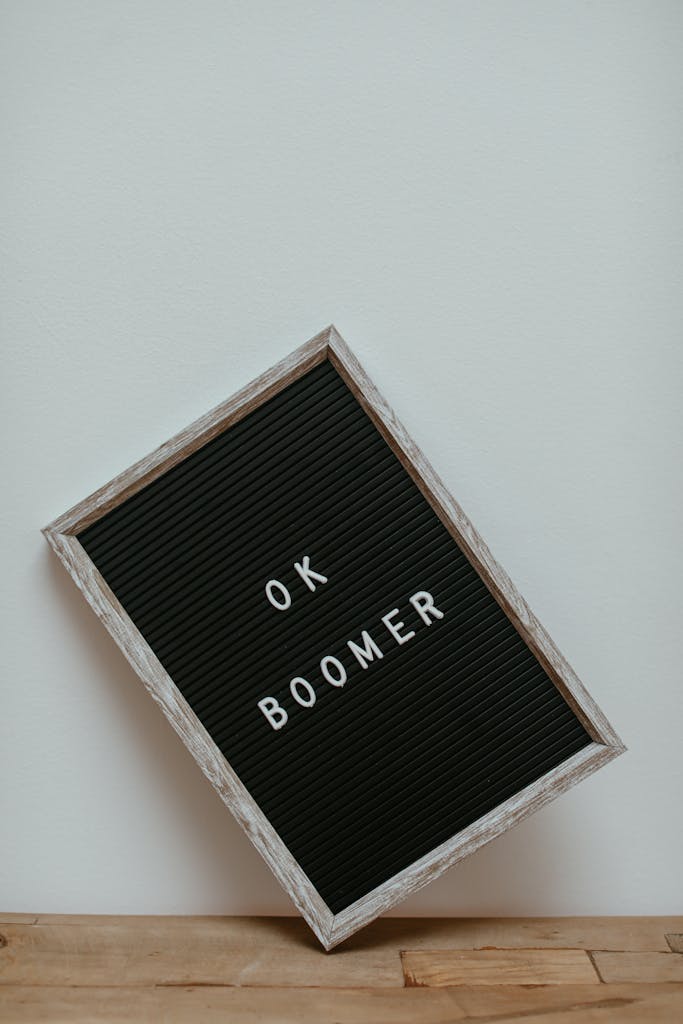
<point x="447" y="724"/>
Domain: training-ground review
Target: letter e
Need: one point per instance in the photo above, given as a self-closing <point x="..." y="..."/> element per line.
<point x="396" y="627"/>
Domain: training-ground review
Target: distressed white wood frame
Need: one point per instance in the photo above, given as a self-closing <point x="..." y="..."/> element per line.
<point x="330" y="928"/>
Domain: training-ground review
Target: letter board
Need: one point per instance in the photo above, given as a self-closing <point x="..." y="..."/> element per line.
<point x="331" y="638"/>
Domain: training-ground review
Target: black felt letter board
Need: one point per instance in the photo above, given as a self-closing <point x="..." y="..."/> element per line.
<point x="369" y="675"/>
<point x="412" y="748"/>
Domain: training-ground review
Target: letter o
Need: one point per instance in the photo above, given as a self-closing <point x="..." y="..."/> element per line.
<point x="340" y="678"/>
<point x="286" y="601"/>
<point x="305" y="685"/>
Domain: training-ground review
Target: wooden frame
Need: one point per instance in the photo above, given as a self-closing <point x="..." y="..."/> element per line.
<point x="330" y="929"/>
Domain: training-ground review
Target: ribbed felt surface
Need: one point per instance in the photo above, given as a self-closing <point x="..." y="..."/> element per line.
<point x="412" y="749"/>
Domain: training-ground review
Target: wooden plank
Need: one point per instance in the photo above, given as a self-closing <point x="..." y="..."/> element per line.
<point x="446" y="967"/>
<point x="608" y="933"/>
<point x="675" y="942"/>
<point x="641" y="967"/>
<point x="638" y="934"/>
<point x="208" y="952"/>
<point x="618" y="1004"/>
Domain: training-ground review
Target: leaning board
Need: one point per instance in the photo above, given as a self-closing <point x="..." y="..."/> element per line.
<point x="334" y="643"/>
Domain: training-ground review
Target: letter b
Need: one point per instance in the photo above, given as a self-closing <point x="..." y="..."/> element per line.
<point x="276" y="715"/>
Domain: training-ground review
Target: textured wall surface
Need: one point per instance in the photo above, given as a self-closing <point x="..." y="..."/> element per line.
<point x="486" y="200"/>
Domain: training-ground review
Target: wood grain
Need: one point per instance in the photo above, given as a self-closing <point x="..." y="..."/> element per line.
<point x="444" y="968"/>
<point x="218" y="952"/>
<point x="584" y="1004"/>
<point x="330" y="929"/>
<point x="647" y="967"/>
<point x="248" y="970"/>
<point x="647" y="934"/>
<point x="635" y="933"/>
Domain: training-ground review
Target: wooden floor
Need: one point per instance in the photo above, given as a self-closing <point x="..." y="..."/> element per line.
<point x="398" y="970"/>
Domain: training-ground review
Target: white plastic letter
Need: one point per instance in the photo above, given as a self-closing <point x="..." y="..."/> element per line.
<point x="276" y="715"/>
<point x="309" y="700"/>
<point x="423" y="603"/>
<point x="367" y="653"/>
<point x="395" y="627"/>
<point x="285" y="597"/>
<point x="339" y="668"/>
<point x="307" y="574"/>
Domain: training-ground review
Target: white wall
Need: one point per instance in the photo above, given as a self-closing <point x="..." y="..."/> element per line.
<point x="486" y="200"/>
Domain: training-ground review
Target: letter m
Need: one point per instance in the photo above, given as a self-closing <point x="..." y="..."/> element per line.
<point x="365" y="653"/>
